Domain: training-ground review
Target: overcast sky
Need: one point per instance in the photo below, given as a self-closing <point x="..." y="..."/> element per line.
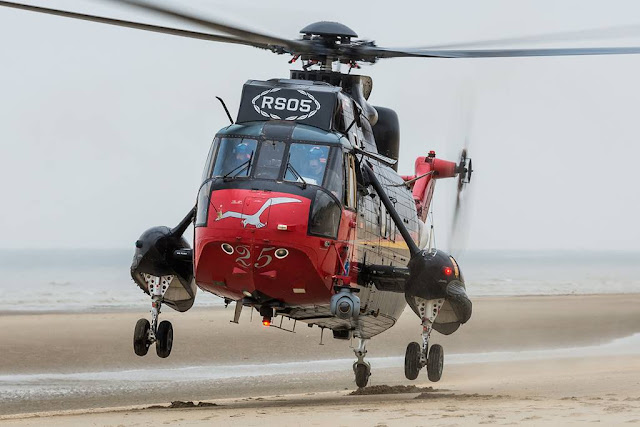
<point x="104" y="130"/>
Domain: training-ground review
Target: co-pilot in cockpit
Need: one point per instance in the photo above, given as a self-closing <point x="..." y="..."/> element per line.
<point x="309" y="160"/>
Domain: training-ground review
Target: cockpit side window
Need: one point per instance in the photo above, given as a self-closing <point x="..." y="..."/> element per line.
<point x="206" y="173"/>
<point x="350" y="183"/>
<point x="234" y="157"/>
<point x="334" y="179"/>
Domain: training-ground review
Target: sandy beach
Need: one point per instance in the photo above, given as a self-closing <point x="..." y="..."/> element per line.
<point x="540" y="360"/>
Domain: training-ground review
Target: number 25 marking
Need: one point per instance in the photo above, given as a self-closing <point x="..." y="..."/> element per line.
<point x="263" y="259"/>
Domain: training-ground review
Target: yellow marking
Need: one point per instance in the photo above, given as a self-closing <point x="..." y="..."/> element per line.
<point x="456" y="270"/>
<point x="399" y="244"/>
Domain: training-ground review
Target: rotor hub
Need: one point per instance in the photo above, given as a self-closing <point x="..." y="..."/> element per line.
<point x="328" y="29"/>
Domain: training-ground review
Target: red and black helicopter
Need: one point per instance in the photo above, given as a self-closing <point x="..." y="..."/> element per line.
<point x="301" y="212"/>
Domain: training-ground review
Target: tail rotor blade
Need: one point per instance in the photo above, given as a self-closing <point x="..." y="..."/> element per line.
<point x="460" y="217"/>
<point x="461" y="212"/>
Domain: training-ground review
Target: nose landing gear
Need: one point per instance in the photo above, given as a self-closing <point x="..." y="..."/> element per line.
<point x="146" y="333"/>
<point x="361" y="368"/>
<point x="416" y="356"/>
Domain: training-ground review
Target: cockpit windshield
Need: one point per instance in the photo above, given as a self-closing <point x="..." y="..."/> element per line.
<point x="303" y="162"/>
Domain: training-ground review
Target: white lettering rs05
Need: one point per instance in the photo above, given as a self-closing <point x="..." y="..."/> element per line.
<point x="291" y="104"/>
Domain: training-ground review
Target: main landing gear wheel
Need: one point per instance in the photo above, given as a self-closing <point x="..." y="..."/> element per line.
<point x="412" y="363"/>
<point x="141" y="341"/>
<point x="363" y="372"/>
<point x="435" y="362"/>
<point x="164" y="338"/>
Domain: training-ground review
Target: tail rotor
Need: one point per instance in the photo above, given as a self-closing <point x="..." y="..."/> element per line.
<point x="461" y="215"/>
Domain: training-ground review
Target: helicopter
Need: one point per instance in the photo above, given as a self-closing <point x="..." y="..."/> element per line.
<point x="301" y="213"/>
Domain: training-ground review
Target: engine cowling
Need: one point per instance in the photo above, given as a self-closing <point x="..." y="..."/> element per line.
<point x="434" y="274"/>
<point x="161" y="252"/>
<point x="386" y="132"/>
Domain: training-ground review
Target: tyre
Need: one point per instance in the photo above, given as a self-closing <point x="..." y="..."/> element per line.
<point x="141" y="337"/>
<point x="164" y="339"/>
<point x="435" y="363"/>
<point x="412" y="363"/>
<point x="362" y="374"/>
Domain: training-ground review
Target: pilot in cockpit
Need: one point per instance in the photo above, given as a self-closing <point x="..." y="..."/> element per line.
<point x="242" y="153"/>
<point x="317" y="162"/>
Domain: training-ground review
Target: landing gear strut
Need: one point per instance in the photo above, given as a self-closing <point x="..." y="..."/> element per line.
<point x="417" y="356"/>
<point x="361" y="368"/>
<point x="146" y="333"/>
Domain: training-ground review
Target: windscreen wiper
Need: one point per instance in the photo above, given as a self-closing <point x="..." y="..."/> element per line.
<point x="239" y="168"/>
<point x="295" y="172"/>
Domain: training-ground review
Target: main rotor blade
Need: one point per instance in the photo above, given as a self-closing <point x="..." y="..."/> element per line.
<point x="499" y="53"/>
<point x="566" y="36"/>
<point x="135" y="25"/>
<point x="243" y="34"/>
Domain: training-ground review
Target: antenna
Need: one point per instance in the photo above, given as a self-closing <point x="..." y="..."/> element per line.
<point x="226" y="110"/>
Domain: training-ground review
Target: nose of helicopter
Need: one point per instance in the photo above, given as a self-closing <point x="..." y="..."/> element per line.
<point x="256" y="243"/>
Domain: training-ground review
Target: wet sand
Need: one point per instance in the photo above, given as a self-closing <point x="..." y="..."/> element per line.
<point x="57" y="362"/>
<point x="567" y="392"/>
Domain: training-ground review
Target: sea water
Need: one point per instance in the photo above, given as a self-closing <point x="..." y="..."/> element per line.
<point x="91" y="279"/>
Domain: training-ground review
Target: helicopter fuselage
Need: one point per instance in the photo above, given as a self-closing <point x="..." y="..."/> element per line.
<point x="281" y="240"/>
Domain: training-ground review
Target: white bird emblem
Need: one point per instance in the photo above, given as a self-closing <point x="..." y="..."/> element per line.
<point x="255" y="218"/>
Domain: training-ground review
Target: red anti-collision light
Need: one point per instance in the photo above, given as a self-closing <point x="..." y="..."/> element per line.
<point x="266" y="321"/>
<point x="447" y="271"/>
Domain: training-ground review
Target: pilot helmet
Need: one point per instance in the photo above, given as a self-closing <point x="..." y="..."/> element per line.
<point x="316" y="153"/>
<point x="243" y="151"/>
